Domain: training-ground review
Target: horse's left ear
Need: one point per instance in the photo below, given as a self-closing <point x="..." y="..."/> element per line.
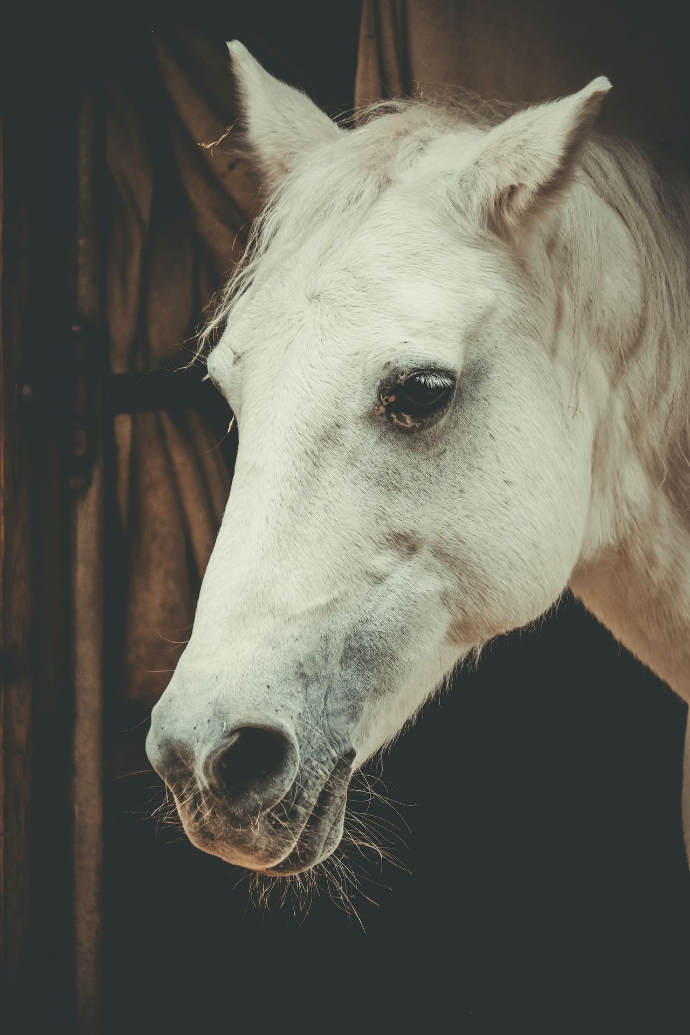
<point x="281" y="123"/>
<point x="525" y="162"/>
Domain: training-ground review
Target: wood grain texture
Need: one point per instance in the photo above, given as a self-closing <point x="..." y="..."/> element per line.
<point x="37" y="706"/>
<point x="87" y="583"/>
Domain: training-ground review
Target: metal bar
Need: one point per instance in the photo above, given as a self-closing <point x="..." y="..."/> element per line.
<point x="157" y="390"/>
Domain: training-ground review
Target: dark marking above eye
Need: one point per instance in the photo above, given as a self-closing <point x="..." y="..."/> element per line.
<point x="404" y="543"/>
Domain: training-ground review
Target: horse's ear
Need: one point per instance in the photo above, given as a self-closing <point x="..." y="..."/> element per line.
<point x="524" y="163"/>
<point x="281" y="123"/>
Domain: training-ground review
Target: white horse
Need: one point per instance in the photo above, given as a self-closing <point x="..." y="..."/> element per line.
<point x="458" y="355"/>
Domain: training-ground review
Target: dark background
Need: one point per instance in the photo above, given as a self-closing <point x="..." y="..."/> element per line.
<point x="544" y="849"/>
<point x="547" y="884"/>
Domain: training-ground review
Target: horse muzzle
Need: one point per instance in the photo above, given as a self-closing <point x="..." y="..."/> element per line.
<point x="247" y="794"/>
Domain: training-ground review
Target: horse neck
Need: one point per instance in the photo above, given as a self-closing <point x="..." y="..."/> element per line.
<point x="631" y="313"/>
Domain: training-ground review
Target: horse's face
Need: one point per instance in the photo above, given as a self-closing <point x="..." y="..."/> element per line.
<point x="408" y="485"/>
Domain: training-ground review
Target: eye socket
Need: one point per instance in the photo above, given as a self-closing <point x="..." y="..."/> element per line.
<point x="416" y="397"/>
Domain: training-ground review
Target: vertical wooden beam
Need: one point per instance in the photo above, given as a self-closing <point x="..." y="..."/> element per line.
<point x="3" y="948"/>
<point x="38" y="238"/>
<point x="16" y="698"/>
<point x="3" y="414"/>
<point x="86" y="480"/>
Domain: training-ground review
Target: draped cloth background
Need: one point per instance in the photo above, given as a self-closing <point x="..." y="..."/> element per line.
<point x="523" y="53"/>
<point x="180" y="214"/>
<point x="179" y="217"/>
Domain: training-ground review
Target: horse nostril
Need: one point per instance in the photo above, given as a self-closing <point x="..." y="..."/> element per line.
<point x="168" y="758"/>
<point x="254" y="768"/>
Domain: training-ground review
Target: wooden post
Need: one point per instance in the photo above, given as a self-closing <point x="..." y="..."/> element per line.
<point x="16" y="698"/>
<point x="86" y="480"/>
<point x="50" y="538"/>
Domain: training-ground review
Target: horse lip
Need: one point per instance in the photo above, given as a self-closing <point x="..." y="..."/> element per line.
<point x="326" y="812"/>
<point x="303" y="858"/>
<point x="310" y="835"/>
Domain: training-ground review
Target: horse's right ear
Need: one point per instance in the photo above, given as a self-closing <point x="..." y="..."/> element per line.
<point x="525" y="163"/>
<point x="281" y="124"/>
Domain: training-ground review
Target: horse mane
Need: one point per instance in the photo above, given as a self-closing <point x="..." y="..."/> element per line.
<point x="649" y="194"/>
<point x="338" y="182"/>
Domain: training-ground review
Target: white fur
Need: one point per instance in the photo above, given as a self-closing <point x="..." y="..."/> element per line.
<point x="357" y="565"/>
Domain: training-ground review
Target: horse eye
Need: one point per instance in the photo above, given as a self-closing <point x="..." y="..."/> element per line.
<point x="416" y="397"/>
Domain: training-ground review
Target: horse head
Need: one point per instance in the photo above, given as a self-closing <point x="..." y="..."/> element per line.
<point x="411" y="479"/>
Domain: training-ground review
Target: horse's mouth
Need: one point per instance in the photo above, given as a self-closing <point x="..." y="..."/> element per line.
<point x="298" y="842"/>
<point x="323" y="830"/>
